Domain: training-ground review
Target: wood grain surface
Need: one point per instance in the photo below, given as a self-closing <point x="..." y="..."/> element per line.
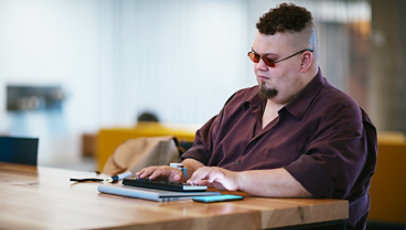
<point x="44" y="198"/>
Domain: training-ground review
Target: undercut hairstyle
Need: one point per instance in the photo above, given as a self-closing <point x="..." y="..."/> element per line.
<point x="286" y="17"/>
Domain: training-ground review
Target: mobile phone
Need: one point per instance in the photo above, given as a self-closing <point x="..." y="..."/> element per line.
<point x="217" y="198"/>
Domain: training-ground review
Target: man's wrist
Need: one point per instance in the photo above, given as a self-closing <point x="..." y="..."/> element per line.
<point x="181" y="167"/>
<point x="239" y="180"/>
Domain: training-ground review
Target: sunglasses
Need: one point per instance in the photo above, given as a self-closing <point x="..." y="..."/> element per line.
<point x="269" y="62"/>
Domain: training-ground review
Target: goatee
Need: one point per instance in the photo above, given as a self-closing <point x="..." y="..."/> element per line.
<point x="266" y="93"/>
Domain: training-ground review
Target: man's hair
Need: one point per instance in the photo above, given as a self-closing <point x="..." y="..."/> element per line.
<point x="286" y="17"/>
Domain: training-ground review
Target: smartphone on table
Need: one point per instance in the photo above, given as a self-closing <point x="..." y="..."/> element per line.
<point x="217" y="198"/>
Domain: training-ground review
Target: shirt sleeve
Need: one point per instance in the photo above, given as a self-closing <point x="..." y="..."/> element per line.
<point x="203" y="143"/>
<point x="335" y="156"/>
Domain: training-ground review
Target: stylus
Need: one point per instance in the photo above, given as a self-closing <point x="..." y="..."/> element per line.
<point x="119" y="176"/>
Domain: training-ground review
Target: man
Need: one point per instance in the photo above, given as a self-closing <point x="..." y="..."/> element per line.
<point x="293" y="135"/>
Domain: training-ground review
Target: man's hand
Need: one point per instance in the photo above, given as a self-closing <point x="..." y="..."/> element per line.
<point x="268" y="183"/>
<point x="161" y="172"/>
<point x="169" y="173"/>
<point x="215" y="177"/>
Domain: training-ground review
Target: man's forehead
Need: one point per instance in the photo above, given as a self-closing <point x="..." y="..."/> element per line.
<point x="274" y="44"/>
<point x="269" y="44"/>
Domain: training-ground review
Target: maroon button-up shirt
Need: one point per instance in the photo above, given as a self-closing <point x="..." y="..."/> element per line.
<point x="322" y="138"/>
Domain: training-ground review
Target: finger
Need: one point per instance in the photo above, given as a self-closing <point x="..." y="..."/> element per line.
<point x="214" y="184"/>
<point x="195" y="177"/>
<point x="224" y="180"/>
<point x="141" y="172"/>
<point x="218" y="186"/>
<point x="205" y="182"/>
<point x="208" y="173"/>
<point x="199" y="175"/>
<point x="146" y="172"/>
<point x="176" y="176"/>
<point x="215" y="175"/>
<point x="161" y="172"/>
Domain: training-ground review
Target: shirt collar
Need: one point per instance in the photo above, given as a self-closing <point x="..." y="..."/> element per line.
<point x="298" y="106"/>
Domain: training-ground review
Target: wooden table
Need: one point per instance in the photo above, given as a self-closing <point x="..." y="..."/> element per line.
<point x="44" y="198"/>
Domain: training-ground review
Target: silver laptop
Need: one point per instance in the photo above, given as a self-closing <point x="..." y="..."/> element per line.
<point x="149" y="194"/>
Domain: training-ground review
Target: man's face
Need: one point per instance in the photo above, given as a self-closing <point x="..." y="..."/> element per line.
<point x="283" y="81"/>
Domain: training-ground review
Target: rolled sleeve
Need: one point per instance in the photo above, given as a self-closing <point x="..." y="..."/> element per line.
<point x="312" y="176"/>
<point x="202" y="145"/>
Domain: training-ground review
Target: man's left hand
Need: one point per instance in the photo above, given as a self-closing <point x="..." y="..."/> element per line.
<point x="215" y="177"/>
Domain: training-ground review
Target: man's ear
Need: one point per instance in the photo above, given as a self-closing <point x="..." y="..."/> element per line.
<point x="306" y="61"/>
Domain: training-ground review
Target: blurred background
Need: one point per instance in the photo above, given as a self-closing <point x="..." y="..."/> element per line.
<point x="77" y="74"/>
<point x="71" y="67"/>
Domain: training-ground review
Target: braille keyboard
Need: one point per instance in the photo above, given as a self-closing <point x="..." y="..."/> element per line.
<point x="164" y="185"/>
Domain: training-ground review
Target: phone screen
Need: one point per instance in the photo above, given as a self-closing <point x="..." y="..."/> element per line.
<point x="217" y="198"/>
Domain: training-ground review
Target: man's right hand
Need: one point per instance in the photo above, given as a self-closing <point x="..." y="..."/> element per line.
<point x="161" y="172"/>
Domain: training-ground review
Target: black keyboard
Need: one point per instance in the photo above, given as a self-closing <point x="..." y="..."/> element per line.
<point x="164" y="185"/>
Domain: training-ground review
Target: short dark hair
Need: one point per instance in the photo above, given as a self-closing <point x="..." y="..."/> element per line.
<point x="286" y="17"/>
<point x="147" y="116"/>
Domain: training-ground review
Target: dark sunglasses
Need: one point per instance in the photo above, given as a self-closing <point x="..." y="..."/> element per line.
<point x="269" y="62"/>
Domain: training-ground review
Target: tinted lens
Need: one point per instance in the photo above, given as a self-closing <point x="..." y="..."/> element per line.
<point x="256" y="57"/>
<point x="268" y="62"/>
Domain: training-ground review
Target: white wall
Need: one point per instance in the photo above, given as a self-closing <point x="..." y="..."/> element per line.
<point x="53" y="42"/>
<point x="181" y="59"/>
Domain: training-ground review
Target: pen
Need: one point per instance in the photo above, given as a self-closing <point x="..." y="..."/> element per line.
<point x="119" y="176"/>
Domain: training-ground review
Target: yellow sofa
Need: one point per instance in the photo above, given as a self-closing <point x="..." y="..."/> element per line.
<point x="108" y="139"/>
<point x="388" y="186"/>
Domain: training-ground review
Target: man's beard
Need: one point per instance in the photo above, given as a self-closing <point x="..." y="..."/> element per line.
<point x="266" y="93"/>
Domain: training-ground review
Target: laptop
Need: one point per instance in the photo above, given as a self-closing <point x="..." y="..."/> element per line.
<point x="148" y="193"/>
<point x="20" y="150"/>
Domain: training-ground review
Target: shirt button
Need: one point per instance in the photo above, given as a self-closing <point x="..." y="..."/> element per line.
<point x="238" y="162"/>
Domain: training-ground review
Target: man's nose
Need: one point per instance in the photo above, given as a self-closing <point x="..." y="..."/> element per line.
<point x="261" y="65"/>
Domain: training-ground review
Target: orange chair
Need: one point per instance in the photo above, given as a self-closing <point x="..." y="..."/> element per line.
<point x="388" y="185"/>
